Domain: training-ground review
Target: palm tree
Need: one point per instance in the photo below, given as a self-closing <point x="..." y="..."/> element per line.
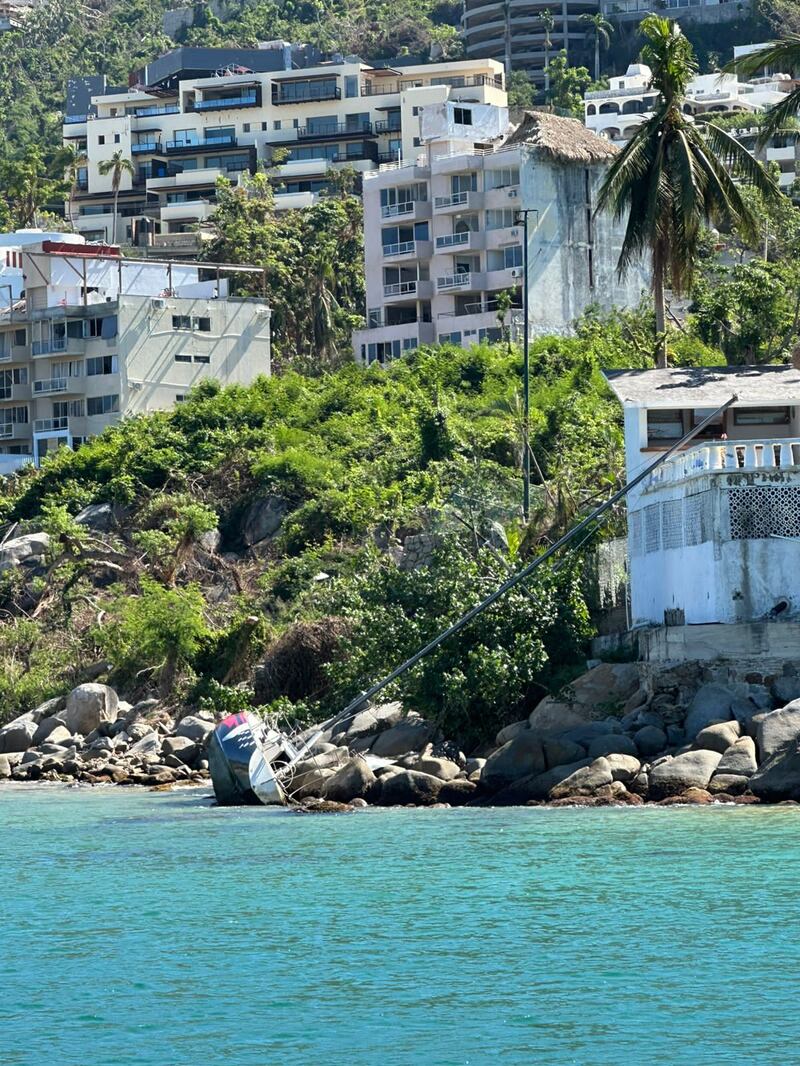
<point x="672" y="176"/>
<point x="117" y="165"/>
<point x="74" y="160"/>
<point x="780" y="55"/>
<point x="549" y="22"/>
<point x="599" y="28"/>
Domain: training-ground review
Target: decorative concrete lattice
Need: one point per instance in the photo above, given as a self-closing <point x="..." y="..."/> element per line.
<point x="635" y="530"/>
<point x="672" y="524"/>
<point x="652" y="528"/>
<point x="764" y="511"/>
<point x="696" y="519"/>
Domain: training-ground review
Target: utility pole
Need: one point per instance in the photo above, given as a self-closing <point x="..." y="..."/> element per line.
<point x="522" y="215"/>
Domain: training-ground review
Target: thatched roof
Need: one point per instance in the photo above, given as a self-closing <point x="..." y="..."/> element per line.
<point x="563" y="139"/>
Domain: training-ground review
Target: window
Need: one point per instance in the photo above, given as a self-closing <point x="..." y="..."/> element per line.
<point x="502" y="177"/>
<point x="245" y="127"/>
<point x="101" y="140"/>
<point x="264" y="127"/>
<point x="227" y="162"/>
<point x="181" y="357"/>
<point x="101" y="364"/>
<point x="417" y="142"/>
<point x="761" y="416"/>
<point x="116" y="138"/>
<point x="68" y="409"/>
<point x="415" y="111"/>
<point x="350" y="85"/>
<point x="70" y="368"/>
<point x="276" y="124"/>
<point x="100" y="327"/>
<point x="181" y="321"/>
<point x="102" y="405"/>
<point x="202" y="359"/>
<point x="20" y="337"/>
<point x="13" y="415"/>
<point x="664" y="425"/>
<point x="192" y="322"/>
<point x="295" y="123"/>
<point x="500" y="218"/>
<point x="180" y="397"/>
<point x="464" y="183"/>
<point x="462" y="116"/>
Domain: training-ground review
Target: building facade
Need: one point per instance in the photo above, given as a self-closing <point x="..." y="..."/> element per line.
<point x="713" y="533"/>
<point x="98" y="336"/>
<point x="709" y="11"/>
<point x="444" y="235"/>
<point x="186" y="121"/>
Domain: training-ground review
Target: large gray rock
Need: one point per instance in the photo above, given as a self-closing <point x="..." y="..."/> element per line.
<point x="779" y="777"/>
<point x="589" y="731"/>
<point x="354" y="779"/>
<point x="623" y="767"/>
<point x="457" y="793"/>
<point x="59" y="735"/>
<point x="412" y="734"/>
<point x="711" y="703"/>
<point x="584" y="781"/>
<point x="310" y="781"/>
<point x="510" y="732"/>
<point x="732" y="784"/>
<point x="558" y="751"/>
<point x="518" y="758"/>
<point x="5" y="767"/>
<point x="673" y="775"/>
<point x="194" y="728"/>
<point x="181" y="747"/>
<point x="536" y="786"/>
<point x="99" y="516"/>
<point x="786" y="689"/>
<point x="589" y="698"/>
<point x="17" y="735"/>
<point x="370" y="721"/>
<point x="28" y="548"/>
<point x="444" y="769"/>
<point x="46" y="727"/>
<point x="739" y="758"/>
<point x="778" y="730"/>
<point x="150" y="744"/>
<point x="718" y="737"/>
<point x="650" y="740"/>
<point x="263" y="519"/>
<point x="408" y="786"/>
<point x="88" y="706"/>
<point x="612" y="744"/>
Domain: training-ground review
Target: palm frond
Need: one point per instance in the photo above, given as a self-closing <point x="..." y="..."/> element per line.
<point x="783" y="54"/>
<point x="741" y="162"/>
<point x="777" y="118"/>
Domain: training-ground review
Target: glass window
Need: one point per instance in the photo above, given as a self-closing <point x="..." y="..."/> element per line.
<point x="102" y="405"/>
<point x="462" y="116"/>
<point x="20" y="337"/>
<point x="101" y="364"/>
<point x="761" y="416"/>
<point x="664" y="425"/>
<point x="350" y="85"/>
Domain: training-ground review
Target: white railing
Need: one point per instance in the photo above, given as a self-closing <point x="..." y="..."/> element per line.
<point x="451" y="201"/>
<point x="50" y="425"/>
<point x="399" y="249"/>
<point x="721" y="456"/>
<point x="453" y="281"/>
<point x="404" y="208"/>
<point x="451" y="239"/>
<point x="399" y="288"/>
<point x="50" y="385"/>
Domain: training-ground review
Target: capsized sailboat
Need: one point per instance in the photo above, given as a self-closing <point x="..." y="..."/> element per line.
<point x="250" y="762"/>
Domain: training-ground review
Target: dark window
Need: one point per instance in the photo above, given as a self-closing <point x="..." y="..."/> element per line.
<point x="202" y="359"/>
<point x="102" y="405"/>
<point x="101" y="140"/>
<point x="181" y="358"/>
<point x="20" y="337"/>
<point x="101" y="364"/>
<point x="276" y="124"/>
<point x="245" y="127"/>
<point x="462" y="116"/>
<point x="664" y="425"/>
<point x="116" y="138"/>
<point x="761" y="416"/>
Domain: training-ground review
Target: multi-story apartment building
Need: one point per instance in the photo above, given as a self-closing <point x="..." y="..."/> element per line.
<point x="513" y="32"/>
<point x="186" y="120"/>
<point x="444" y="233"/>
<point x="617" y="112"/>
<point x="97" y="336"/>
<point x="687" y="10"/>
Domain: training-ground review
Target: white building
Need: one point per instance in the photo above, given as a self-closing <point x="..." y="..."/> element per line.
<point x="187" y="120"/>
<point x="98" y="336"/>
<point x="617" y="112"/>
<point x="444" y="233"/>
<point x="714" y="533"/>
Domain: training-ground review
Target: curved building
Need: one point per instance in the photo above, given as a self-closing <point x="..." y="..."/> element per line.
<point x="513" y="32"/>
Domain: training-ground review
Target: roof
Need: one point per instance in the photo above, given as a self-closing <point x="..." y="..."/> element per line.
<point x="564" y="139"/>
<point x="708" y="386"/>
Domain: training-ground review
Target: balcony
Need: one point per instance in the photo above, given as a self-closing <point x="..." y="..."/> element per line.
<point x="305" y="94"/>
<point x="385" y="88"/>
<point x="49" y="385"/>
<point x="387" y="127"/>
<point x="183" y="145"/>
<point x="163" y="109"/>
<point x="220" y="102"/>
<point x="330" y="131"/>
<point x="51" y="425"/>
<point x="416" y="289"/>
<point x="401" y="248"/>
<point x="455" y="281"/>
<point x="751" y="456"/>
<point x="145" y="146"/>
<point x="459" y="201"/>
<point x="54" y="344"/>
<point x="73" y="120"/>
<point x="15" y="393"/>
<point x="452" y="240"/>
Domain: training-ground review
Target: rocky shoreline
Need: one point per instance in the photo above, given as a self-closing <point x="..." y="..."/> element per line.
<point x="696" y="743"/>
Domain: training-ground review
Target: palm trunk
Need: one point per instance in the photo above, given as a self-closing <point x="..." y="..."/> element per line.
<point x="547" y="70"/>
<point x="658" y="301"/>
<point x="116" y="202"/>
<point x="565" y="26"/>
<point x="597" y="59"/>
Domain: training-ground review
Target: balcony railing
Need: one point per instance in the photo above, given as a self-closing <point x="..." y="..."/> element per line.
<point x="387" y="127"/>
<point x="382" y="88"/>
<point x="727" y="456"/>
<point x="54" y="344"/>
<point x="307" y="94"/>
<point x="333" y="129"/>
<point x="401" y="248"/>
<point x="404" y="208"/>
<point x="452" y="240"/>
<point x="454" y="281"/>
<point x="162" y="109"/>
<point x="48" y="385"/>
<point x="455" y="200"/>
<point x="400" y="288"/>
<point x="243" y="100"/>
<point x="145" y="146"/>
<point x="50" y="425"/>
<point x="178" y="145"/>
<point x="73" y="120"/>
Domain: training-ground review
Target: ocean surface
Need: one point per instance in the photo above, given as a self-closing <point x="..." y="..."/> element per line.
<point x="157" y="930"/>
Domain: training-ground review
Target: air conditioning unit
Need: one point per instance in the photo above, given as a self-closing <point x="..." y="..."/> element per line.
<point x="513" y="194"/>
<point x="516" y="272"/>
<point x="158" y="302"/>
<point x="515" y="233"/>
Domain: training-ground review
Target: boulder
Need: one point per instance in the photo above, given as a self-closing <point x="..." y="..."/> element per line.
<point x="650" y="740"/>
<point x="210" y="541"/>
<point x="150" y="744"/>
<point x="444" y="769"/>
<point x="195" y="728"/>
<point x="28" y="548"/>
<point x="510" y="732"/>
<point x="17" y="735"/>
<point x="730" y="784"/>
<point x="779" y="777"/>
<point x="263" y="519"/>
<point x="785" y="689"/>
<point x="691" y="797"/>
<point x="612" y="744"/>
<point x="589" y="731"/>
<point x="518" y="758"/>
<point x="355" y="778"/>
<point x="711" y="703"/>
<point x="310" y="782"/>
<point x="333" y="759"/>
<point x="411" y="734"/>
<point x="49" y="709"/>
<point x="370" y="721"/>
<point x="60" y="735"/>
<point x="181" y="747"/>
<point x="46" y="727"/>
<point x="584" y="781"/>
<point x="474" y="766"/>
<point x="743" y="711"/>
<point x="589" y="698"/>
<point x="99" y="516"/>
<point x="778" y="730"/>
<point x="457" y="793"/>
<point x="623" y="767"/>
<point x="558" y="751"/>
<point x="673" y="775"/>
<point x="5" y="767"/>
<point x="739" y="758"/>
<point x="718" y="737"/>
<point x="409" y="786"/>
<point x="88" y="706"/>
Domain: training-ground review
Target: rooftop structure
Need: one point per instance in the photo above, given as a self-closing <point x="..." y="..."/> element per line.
<point x="444" y="233"/>
<point x="188" y="126"/>
<point x="98" y="336"/>
<point x="709" y="11"/>
<point x="713" y="533"/>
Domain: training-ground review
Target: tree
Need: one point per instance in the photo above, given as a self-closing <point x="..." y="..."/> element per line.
<point x="598" y="29"/>
<point x="780" y="55"/>
<point x="549" y="22"/>
<point x="116" y="166"/>
<point x="73" y="160"/>
<point x="569" y="85"/>
<point x="673" y="176"/>
<point x="521" y="90"/>
<point x="29" y="186"/>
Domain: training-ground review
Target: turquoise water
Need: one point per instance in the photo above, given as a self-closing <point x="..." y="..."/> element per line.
<point x="153" y="929"/>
